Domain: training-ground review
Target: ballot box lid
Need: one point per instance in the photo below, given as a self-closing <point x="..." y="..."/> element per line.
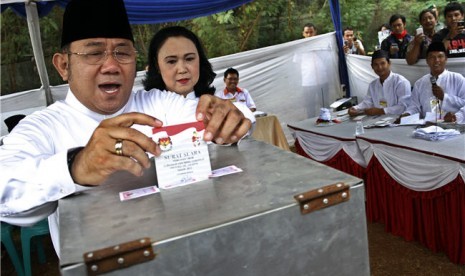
<point x="271" y="177"/>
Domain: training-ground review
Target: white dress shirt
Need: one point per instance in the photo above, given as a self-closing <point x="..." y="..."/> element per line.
<point x="393" y="95"/>
<point x="354" y="50"/>
<point x="33" y="157"/>
<point x="460" y="116"/>
<point x="453" y="85"/>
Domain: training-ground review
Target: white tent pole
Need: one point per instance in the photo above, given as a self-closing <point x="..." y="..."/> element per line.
<point x="34" y="32"/>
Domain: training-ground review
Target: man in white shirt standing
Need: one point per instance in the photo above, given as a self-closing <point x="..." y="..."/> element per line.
<point x="440" y="91"/>
<point x="233" y="93"/>
<point x="83" y="139"/>
<point x="388" y="94"/>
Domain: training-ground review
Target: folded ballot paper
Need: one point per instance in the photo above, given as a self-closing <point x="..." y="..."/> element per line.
<point x="435" y="133"/>
<point x="184" y="158"/>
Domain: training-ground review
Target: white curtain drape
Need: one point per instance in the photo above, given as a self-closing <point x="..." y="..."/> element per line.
<point x="412" y="169"/>
<point x="361" y="74"/>
<point x="322" y="148"/>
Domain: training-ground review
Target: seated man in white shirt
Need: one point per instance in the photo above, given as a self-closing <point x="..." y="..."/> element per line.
<point x="440" y="91"/>
<point x="233" y="92"/>
<point x="389" y="94"/>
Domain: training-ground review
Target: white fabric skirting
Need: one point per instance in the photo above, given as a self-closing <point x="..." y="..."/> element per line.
<point x="412" y="169"/>
<point x="322" y="148"/>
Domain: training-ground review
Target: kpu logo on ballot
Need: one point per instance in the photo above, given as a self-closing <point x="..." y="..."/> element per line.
<point x="184" y="158"/>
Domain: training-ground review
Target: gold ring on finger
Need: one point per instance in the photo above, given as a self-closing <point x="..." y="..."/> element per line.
<point x="119" y="147"/>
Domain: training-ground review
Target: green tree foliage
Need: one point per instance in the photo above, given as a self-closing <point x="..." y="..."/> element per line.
<point x="19" y="70"/>
<point x="251" y="26"/>
<point x="366" y="16"/>
<point x="13" y="48"/>
<point x="258" y="24"/>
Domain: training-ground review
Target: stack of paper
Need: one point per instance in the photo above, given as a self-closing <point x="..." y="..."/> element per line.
<point x="435" y="133"/>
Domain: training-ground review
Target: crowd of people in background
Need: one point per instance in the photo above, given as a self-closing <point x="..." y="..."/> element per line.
<point x="400" y="44"/>
<point x="440" y="91"/>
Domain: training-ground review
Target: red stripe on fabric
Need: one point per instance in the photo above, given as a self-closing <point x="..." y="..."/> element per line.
<point x="238" y="90"/>
<point x="340" y="161"/>
<point x="175" y="129"/>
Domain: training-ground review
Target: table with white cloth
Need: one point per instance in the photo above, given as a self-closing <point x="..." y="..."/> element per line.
<point x="416" y="188"/>
<point x="334" y="145"/>
<point x="268" y="129"/>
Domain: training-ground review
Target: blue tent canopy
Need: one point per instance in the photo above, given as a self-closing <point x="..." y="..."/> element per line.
<point x="148" y="11"/>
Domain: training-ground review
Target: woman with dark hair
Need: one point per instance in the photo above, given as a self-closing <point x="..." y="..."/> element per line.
<point x="177" y="62"/>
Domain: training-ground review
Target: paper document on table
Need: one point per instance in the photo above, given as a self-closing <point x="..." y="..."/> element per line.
<point x="343" y="112"/>
<point x="339" y="102"/>
<point x="435" y="133"/>
<point x="136" y="193"/>
<point x="359" y="117"/>
<point x="412" y="120"/>
<point x="433" y="117"/>
<point x="225" y="171"/>
<point x="384" y="122"/>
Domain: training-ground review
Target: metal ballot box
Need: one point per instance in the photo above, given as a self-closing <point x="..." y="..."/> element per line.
<point x="257" y="222"/>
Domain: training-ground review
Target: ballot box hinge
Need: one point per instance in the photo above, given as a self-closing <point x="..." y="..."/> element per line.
<point x="119" y="256"/>
<point x="323" y="197"/>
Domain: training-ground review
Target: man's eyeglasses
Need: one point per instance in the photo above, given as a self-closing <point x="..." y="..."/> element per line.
<point x="122" y="54"/>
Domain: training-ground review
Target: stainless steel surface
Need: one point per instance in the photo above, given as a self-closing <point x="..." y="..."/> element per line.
<point x="241" y="224"/>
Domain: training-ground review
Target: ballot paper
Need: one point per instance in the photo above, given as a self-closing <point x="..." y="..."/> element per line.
<point x="136" y="193"/>
<point x="413" y="119"/>
<point x="435" y="133"/>
<point x="184" y="158"/>
<point x="225" y="171"/>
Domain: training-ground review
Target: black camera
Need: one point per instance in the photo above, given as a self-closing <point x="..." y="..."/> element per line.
<point x="461" y="23"/>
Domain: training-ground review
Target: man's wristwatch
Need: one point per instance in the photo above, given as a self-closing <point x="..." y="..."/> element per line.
<point x="72" y="153"/>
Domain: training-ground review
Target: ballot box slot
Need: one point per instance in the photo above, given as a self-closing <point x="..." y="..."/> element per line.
<point x="323" y="197"/>
<point x="118" y="256"/>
